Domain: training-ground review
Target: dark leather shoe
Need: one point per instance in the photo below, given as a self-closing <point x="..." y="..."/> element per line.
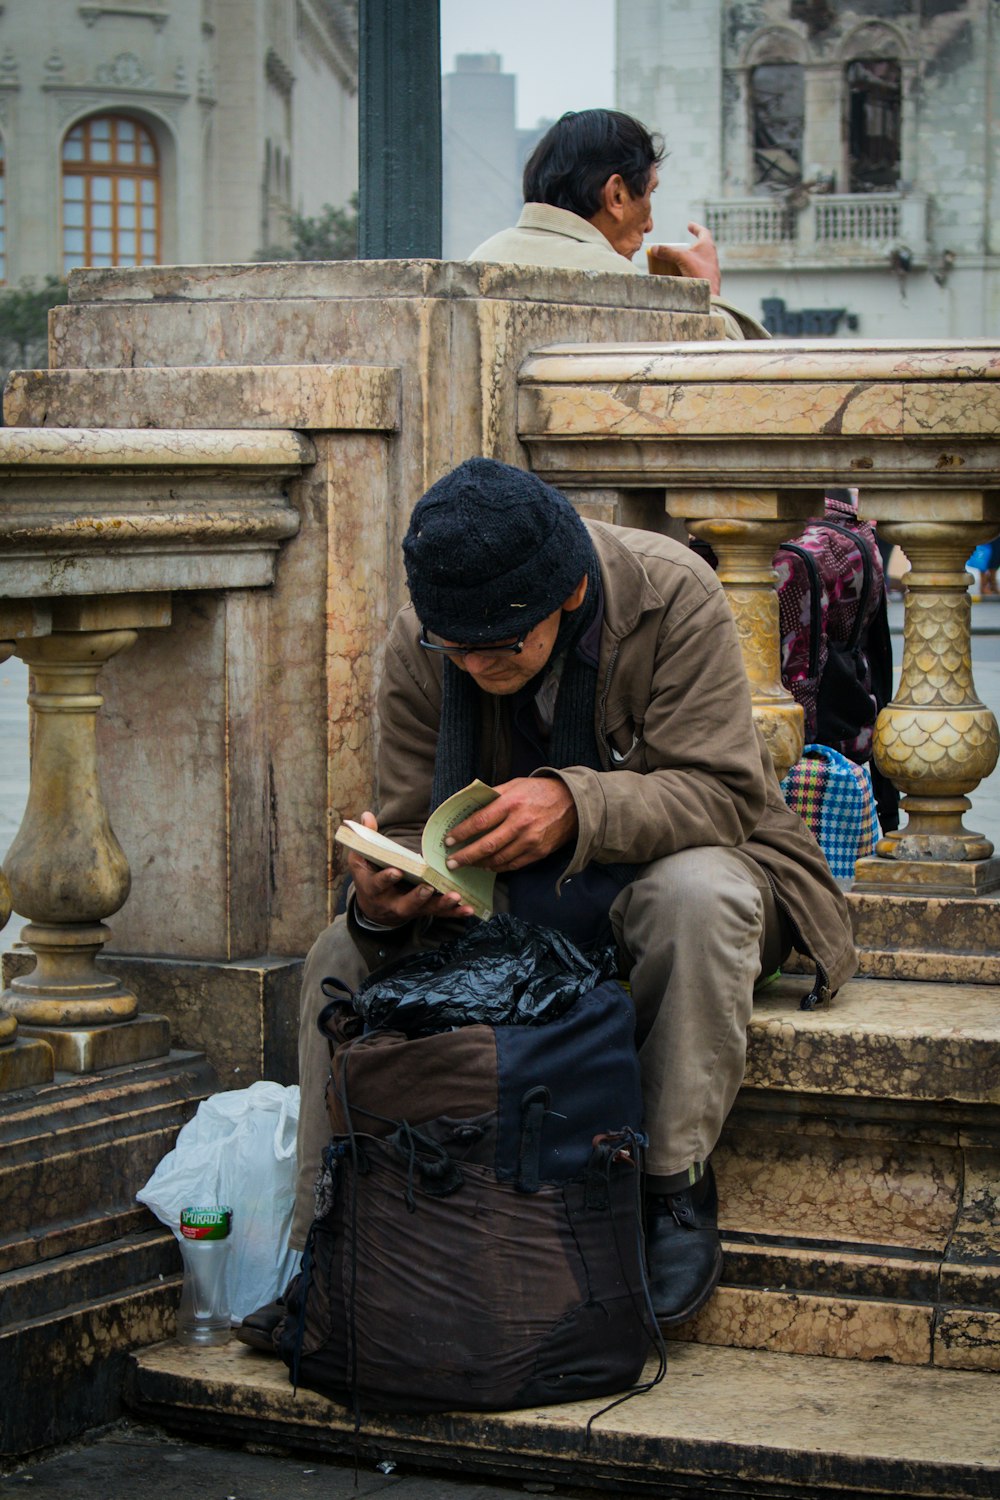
<point x="683" y="1250"/>
<point x="258" y="1328"/>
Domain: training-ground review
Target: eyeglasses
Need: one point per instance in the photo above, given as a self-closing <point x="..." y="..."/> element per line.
<point x="510" y="648"/>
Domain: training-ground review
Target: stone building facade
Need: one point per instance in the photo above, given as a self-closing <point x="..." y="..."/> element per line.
<point x="170" y="131"/>
<point x="846" y="156"/>
<point x="483" y="152"/>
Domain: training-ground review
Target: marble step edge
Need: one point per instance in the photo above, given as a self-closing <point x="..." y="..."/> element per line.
<point x="867" y="1329"/>
<point x="50" y="1242"/>
<point x="865" y="1272"/>
<point x="63" y="1166"/>
<point x="30" y="1117"/>
<point x="927" y="966"/>
<point x="68" y="1184"/>
<point x="878" y="1038"/>
<point x="92" y="1275"/>
<point x="61" y="1375"/>
<point x="942" y="924"/>
<point x="750" y="1422"/>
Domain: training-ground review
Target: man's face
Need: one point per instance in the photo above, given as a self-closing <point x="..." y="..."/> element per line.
<point x="503" y="674"/>
<point x="627" y="231"/>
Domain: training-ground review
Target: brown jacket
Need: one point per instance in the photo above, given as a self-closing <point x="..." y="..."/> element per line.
<point x="682" y="763"/>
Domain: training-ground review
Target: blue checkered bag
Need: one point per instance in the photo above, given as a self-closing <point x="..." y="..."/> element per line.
<point x="836" y="800"/>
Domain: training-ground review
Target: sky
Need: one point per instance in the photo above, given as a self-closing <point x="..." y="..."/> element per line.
<point x="561" y="50"/>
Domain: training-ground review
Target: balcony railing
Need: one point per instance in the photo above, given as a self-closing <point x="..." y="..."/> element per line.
<point x="836" y="226"/>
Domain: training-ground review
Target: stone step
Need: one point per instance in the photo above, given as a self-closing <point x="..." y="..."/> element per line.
<point x="723" y="1421"/>
<point x="879" y="1038"/>
<point x="86" y="1273"/>
<point x="858" y="1176"/>
<point x="94" y="1274"/>
<point x="927" y="937"/>
<point x="62" y="1373"/>
<point x="73" y="1153"/>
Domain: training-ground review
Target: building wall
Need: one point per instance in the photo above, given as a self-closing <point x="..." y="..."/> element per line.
<point x="684" y="67"/>
<point x="223" y="86"/>
<point x="483" y="152"/>
<point x="479" y="152"/>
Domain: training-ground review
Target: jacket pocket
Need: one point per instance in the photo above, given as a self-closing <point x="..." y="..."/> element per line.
<point x="625" y="745"/>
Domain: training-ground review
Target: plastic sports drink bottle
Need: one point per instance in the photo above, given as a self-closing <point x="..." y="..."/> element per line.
<point x="203" y="1316"/>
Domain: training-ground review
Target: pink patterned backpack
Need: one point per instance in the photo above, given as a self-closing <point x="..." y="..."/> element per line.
<point x="836" y="654"/>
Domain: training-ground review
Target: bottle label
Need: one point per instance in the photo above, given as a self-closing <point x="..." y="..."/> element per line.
<point x="206" y="1223"/>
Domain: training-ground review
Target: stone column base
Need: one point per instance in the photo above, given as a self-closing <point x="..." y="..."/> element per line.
<point x="973" y="877"/>
<point x="91" y="1049"/>
<point x="243" y="1015"/>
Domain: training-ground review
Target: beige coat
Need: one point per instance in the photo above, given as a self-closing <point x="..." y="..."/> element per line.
<point x="682" y="762"/>
<point x="547" y="236"/>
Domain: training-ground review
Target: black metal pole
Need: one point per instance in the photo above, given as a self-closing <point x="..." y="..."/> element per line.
<point x="399" y="104"/>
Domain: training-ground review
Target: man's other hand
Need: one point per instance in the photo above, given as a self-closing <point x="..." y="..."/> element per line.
<point x="700" y="258"/>
<point x="385" y="897"/>
<point x="532" y="816"/>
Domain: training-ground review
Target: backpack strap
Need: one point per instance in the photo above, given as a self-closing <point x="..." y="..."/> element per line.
<point x="866" y="581"/>
<point x="815" y="603"/>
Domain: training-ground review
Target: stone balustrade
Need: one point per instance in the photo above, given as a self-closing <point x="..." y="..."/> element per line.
<point x="743" y="438"/>
<point x="99" y="530"/>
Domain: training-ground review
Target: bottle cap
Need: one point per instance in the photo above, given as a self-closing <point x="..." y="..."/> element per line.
<point x="206" y="1223"/>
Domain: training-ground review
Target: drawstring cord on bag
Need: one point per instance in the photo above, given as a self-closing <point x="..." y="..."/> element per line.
<point x="633" y="1145"/>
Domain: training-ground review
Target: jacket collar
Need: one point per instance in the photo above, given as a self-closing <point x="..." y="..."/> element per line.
<point x="560" y="221"/>
<point x="628" y="592"/>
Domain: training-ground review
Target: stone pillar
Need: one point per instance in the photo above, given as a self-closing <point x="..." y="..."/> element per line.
<point x="65" y="867"/>
<point x="22" y="1062"/>
<point x="936" y="741"/>
<point x="745" y="528"/>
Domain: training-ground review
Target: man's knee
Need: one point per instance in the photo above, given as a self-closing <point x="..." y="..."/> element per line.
<point x="701" y="895"/>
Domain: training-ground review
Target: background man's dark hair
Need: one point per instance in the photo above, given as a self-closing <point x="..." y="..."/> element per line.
<point x="572" y="162"/>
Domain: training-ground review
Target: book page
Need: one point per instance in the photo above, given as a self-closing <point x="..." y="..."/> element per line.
<point x="454" y="810"/>
<point x="377" y="848"/>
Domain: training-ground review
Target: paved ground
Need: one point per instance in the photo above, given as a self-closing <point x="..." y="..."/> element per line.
<point x="984" y="817"/>
<point x="145" y="1464"/>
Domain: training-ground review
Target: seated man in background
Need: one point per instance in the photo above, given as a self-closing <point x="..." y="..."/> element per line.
<point x="592" y="675"/>
<point x="588" y="187"/>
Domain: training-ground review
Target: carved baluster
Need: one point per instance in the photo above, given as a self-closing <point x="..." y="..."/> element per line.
<point x="67" y="870"/>
<point x="745" y="528"/>
<point x="936" y="741"/>
<point x="21" y="1062"/>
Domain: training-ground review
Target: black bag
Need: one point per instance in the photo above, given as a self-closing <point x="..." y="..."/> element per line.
<point x="478" y="1240"/>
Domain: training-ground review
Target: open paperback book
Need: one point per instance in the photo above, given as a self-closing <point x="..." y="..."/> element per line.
<point x="430" y="866"/>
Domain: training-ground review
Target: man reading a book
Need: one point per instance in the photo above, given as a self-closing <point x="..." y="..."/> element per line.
<point x="591" y="675"/>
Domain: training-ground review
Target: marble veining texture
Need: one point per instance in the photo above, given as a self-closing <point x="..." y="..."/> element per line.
<point x="328" y="397"/>
<point x="793" y="1323"/>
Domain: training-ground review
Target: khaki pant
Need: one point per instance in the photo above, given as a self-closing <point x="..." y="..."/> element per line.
<point x="696" y="930"/>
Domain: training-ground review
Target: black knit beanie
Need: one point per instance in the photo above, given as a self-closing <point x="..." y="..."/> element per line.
<point x="491" y="551"/>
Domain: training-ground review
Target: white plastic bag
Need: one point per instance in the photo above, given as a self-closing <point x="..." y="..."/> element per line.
<point x="239" y="1150"/>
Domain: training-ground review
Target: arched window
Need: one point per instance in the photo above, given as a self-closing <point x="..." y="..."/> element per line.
<point x="874" y="100"/>
<point x="777" y="102"/>
<point x="3" y="213"/>
<point x="111" y="194"/>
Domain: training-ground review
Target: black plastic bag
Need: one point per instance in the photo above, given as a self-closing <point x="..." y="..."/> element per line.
<point x="503" y="972"/>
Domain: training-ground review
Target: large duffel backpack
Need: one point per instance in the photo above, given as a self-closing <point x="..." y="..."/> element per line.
<point x="478" y="1234"/>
